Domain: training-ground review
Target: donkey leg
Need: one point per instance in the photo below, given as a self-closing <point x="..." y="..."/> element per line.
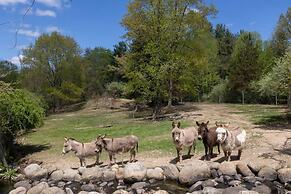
<point x="84" y="162"/>
<point x="194" y="148"/>
<point x="81" y="162"/>
<point x="206" y="150"/>
<point x="229" y="154"/>
<point x="218" y="148"/>
<point x="239" y="154"/>
<point x="189" y="151"/>
<point x="110" y="158"/>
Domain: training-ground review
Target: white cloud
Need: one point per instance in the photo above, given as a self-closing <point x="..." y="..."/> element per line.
<point x="16" y="59"/>
<point x="11" y="2"/>
<point x="50" y="29"/>
<point x="49" y="13"/>
<point x="51" y="3"/>
<point x="29" y="33"/>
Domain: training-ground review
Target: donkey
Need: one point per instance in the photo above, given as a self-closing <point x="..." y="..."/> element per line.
<point x="117" y="145"/>
<point x="209" y="138"/>
<point x="81" y="150"/>
<point x="230" y="140"/>
<point x="186" y="137"/>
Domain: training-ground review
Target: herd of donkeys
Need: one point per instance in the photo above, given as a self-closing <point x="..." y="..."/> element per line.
<point x="219" y="135"/>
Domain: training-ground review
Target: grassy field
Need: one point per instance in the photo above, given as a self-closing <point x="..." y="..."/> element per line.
<point x="85" y="125"/>
<point x="267" y="115"/>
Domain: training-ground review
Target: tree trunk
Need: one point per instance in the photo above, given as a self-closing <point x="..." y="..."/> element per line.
<point x="243" y="96"/>
<point x="276" y="99"/>
<point x="170" y="93"/>
<point x="2" y="151"/>
<point x="289" y="97"/>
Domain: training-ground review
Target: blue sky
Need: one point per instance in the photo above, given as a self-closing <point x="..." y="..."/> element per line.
<point x="97" y="22"/>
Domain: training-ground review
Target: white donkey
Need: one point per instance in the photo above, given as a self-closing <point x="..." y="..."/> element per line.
<point x="230" y="140"/>
<point x="81" y="150"/>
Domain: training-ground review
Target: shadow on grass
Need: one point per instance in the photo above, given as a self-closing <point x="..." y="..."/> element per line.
<point x="275" y="122"/>
<point x="184" y="157"/>
<point x="21" y="150"/>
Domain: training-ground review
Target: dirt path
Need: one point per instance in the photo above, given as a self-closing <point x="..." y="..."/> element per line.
<point x="269" y="146"/>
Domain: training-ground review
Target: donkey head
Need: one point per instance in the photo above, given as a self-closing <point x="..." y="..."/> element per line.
<point x="202" y="129"/>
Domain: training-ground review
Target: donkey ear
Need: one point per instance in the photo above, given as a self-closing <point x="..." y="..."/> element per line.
<point x="227" y="124"/>
<point x="216" y="124"/>
<point x="207" y="122"/>
<point x="197" y="123"/>
<point x="179" y="124"/>
<point x="66" y="139"/>
<point x="103" y="136"/>
<point x="173" y="124"/>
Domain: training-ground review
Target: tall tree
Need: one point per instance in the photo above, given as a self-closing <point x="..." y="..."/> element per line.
<point x="225" y="41"/>
<point x="53" y="68"/>
<point x="282" y="35"/>
<point x="164" y="43"/>
<point x="245" y="67"/>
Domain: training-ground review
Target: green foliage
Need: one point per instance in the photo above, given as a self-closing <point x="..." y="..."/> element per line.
<point x="19" y="110"/>
<point x="7" y="173"/>
<point x="219" y="91"/>
<point x="116" y="89"/>
<point x="282" y="35"/>
<point x="8" y="72"/>
<point x="52" y="63"/>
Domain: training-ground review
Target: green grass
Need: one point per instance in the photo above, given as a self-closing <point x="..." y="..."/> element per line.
<point x="85" y="126"/>
<point x="268" y="115"/>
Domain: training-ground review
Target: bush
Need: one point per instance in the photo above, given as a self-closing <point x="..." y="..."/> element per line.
<point x="218" y="92"/>
<point x="116" y="89"/>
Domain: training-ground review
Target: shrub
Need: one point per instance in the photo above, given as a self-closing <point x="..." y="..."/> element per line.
<point x="116" y="89"/>
<point x="219" y="92"/>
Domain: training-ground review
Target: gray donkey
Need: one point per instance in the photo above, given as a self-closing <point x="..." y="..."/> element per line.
<point x="81" y="150"/>
<point x="116" y="145"/>
<point x="186" y="137"/>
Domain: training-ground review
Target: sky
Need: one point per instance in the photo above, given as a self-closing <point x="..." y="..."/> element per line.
<point x="95" y="23"/>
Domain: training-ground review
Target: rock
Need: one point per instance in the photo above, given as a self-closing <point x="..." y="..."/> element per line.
<point x="24" y="184"/>
<point x="57" y="175"/>
<point x="19" y="177"/>
<point x="139" y="185"/>
<point x="262" y="189"/>
<point x="119" y="173"/>
<point x="91" y="174"/>
<point x="268" y="173"/>
<point x="103" y="184"/>
<point x="38" y="188"/>
<point x="214" y="165"/>
<point x="61" y="184"/>
<point x="227" y="178"/>
<point x="190" y="174"/>
<point x="120" y="192"/>
<point x="83" y="192"/>
<point x="71" y="175"/>
<point x="88" y="187"/>
<point x="196" y="186"/>
<point x="108" y="175"/>
<point x="250" y="179"/>
<point x="69" y="191"/>
<point x="134" y="172"/>
<point x="140" y="191"/>
<point x="53" y="190"/>
<point x="234" y="190"/>
<point x="234" y="183"/>
<point x="212" y="190"/>
<point x="248" y="192"/>
<point x="156" y="173"/>
<point x="227" y="168"/>
<point x="284" y="175"/>
<point x="255" y="167"/>
<point x="161" y="192"/>
<point x="51" y="169"/>
<point x="243" y="169"/>
<point x="18" y="190"/>
<point x="214" y="173"/>
<point x="35" y="171"/>
<point x="209" y="183"/>
<point x="219" y="179"/>
<point x="238" y="177"/>
<point x="171" y="172"/>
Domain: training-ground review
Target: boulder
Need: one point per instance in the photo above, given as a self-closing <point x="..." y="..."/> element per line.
<point x="108" y="175"/>
<point x="212" y="190"/>
<point x="134" y="172"/>
<point x="119" y="173"/>
<point x="69" y="191"/>
<point x="234" y="190"/>
<point x="53" y="190"/>
<point x="139" y="185"/>
<point x="35" y="171"/>
<point x="227" y="168"/>
<point x="24" y="184"/>
<point x="19" y="177"/>
<point x="171" y="172"/>
<point x="254" y="166"/>
<point x="83" y="192"/>
<point x="57" y="175"/>
<point x="120" y="191"/>
<point x="284" y="175"/>
<point x="262" y="189"/>
<point x="214" y="165"/>
<point x="196" y="186"/>
<point x="209" y="183"/>
<point x="161" y="192"/>
<point x="88" y="187"/>
<point x="268" y="173"/>
<point x="91" y="174"/>
<point x="71" y="175"/>
<point x="38" y="188"/>
<point x="190" y="174"/>
<point x="18" y="190"/>
<point x="244" y="170"/>
<point x="156" y="173"/>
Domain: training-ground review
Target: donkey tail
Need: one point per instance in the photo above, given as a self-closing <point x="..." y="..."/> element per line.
<point x="136" y="147"/>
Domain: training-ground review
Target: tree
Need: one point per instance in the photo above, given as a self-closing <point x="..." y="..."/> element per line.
<point x="245" y="67"/>
<point x="99" y="71"/>
<point x="282" y="35"/>
<point x="225" y="41"/>
<point x="52" y="66"/>
<point x="8" y="72"/>
<point x="163" y="36"/>
<point x="120" y="49"/>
